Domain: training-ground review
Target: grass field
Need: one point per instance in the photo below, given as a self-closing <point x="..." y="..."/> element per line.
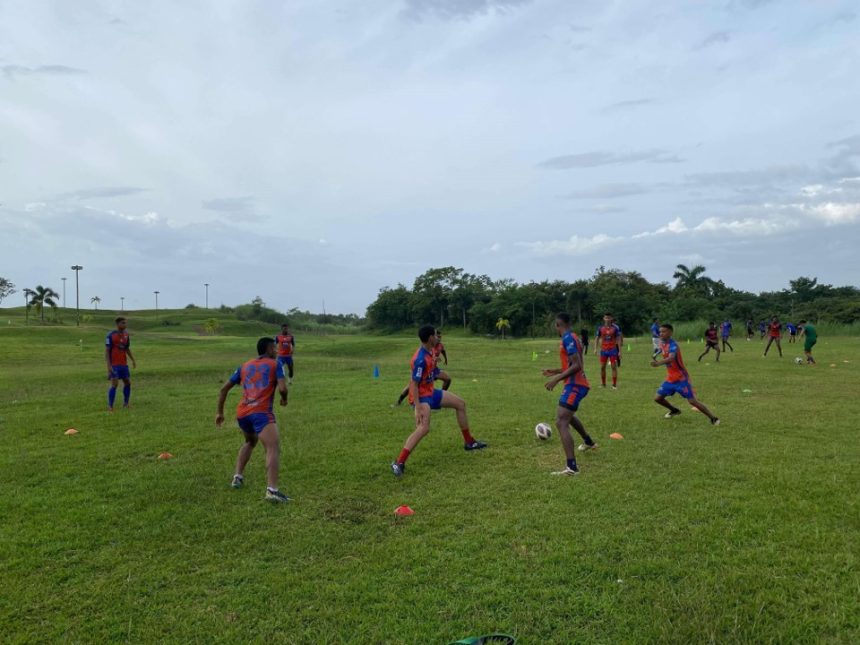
<point x="682" y="533"/>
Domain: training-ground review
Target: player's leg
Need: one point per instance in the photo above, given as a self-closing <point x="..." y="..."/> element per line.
<point x="702" y="355"/>
<point x="603" y="360"/>
<point x="726" y="342"/>
<point x="779" y="346"/>
<point x="403" y="395"/>
<point x="126" y="391"/>
<point x="114" y="381"/>
<point x="666" y="389"/>
<point x="613" y="361"/>
<point x="422" y="427"/>
<point x="271" y="440"/>
<point x="701" y="407"/>
<point x="807" y="349"/>
<point x="563" y="417"/>
<point x="290" y="367"/>
<point x="767" y="347"/>
<point x="244" y="455"/>
<point x="446" y="380"/>
<point x="717" y="350"/>
<point x="449" y="400"/>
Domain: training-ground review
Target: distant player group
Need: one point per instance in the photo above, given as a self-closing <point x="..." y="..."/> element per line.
<point x="272" y="371"/>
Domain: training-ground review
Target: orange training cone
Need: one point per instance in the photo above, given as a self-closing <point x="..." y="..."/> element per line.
<point x="165" y="455"/>
<point x="403" y="511"/>
<point x="616" y="435"/>
<point x="70" y="432"/>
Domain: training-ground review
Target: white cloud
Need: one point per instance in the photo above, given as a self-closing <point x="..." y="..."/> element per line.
<point x="746" y="227"/>
<point x="835" y="213"/>
<point x="575" y="245"/>
<point x="495" y="247"/>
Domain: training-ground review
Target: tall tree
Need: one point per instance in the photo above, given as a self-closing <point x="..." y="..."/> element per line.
<point x="693" y="279"/>
<point x="6" y="288"/>
<point x="43" y="296"/>
<point x="28" y="295"/>
<point x="95" y="300"/>
<point x="503" y="324"/>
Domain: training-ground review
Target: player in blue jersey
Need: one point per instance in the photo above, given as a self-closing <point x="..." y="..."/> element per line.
<point x="117" y="353"/>
<point x="792" y="332"/>
<point x="655" y="337"/>
<point x="424" y="398"/>
<point x="259" y="378"/>
<point x="725" y="332"/>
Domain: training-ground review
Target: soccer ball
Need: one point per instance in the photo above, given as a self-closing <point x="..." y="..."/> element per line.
<point x="543" y="431"/>
<point x="798" y="360"/>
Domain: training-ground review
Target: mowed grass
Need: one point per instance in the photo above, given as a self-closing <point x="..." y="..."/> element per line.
<point x="679" y="533"/>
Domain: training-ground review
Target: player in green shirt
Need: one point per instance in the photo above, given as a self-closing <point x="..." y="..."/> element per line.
<point x="810" y="337"/>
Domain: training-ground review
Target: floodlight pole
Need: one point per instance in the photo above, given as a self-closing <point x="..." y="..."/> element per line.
<point x="77" y="268"/>
<point x="64" y="292"/>
<point x="156" y="303"/>
<point x="206" y="284"/>
<point x="122" y="303"/>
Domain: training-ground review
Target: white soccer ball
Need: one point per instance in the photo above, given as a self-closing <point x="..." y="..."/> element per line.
<point x="543" y="431"/>
<point x="798" y="360"/>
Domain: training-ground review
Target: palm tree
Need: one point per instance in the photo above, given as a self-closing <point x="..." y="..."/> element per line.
<point x="95" y="300"/>
<point x="502" y="324"/>
<point x="43" y="296"/>
<point x="692" y="278"/>
<point x="28" y="294"/>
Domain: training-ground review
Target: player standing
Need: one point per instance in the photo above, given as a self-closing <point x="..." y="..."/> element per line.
<point x="725" y="332"/>
<point x="775" y="333"/>
<point x="655" y="337"/>
<point x="609" y="338"/>
<point x="583" y="340"/>
<point x="792" y="332"/>
<point x="259" y="378"/>
<point x="810" y="337"/>
<point x="425" y="398"/>
<point x="750" y="329"/>
<point x="286" y="344"/>
<point x="575" y="389"/>
<point x="677" y="378"/>
<point x="711" y="341"/>
<point x="117" y="352"/>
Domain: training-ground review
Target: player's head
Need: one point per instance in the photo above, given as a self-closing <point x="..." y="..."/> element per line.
<point x="266" y="347"/>
<point x="712" y="324"/>
<point x="439" y="335"/>
<point x="666" y="331"/>
<point x="121" y="322"/>
<point x="656" y="320"/>
<point x="773" y="318"/>
<point x="802" y="322"/>
<point x="562" y="321"/>
<point x="285" y="327"/>
<point x="607" y="317"/>
<point x="427" y="333"/>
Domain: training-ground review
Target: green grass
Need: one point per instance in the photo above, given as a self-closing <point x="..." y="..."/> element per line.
<point x="679" y="533"/>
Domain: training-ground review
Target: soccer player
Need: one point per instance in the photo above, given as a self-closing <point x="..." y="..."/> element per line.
<point x="711" y="341"/>
<point x="762" y="329"/>
<point x="655" y="337"/>
<point x="750" y="329"/>
<point x="677" y="377"/>
<point x="775" y="333"/>
<point x="438" y="374"/>
<point x="424" y="398"/>
<point x="117" y="353"/>
<point x="286" y="344"/>
<point x="792" y="332"/>
<point x="725" y="332"/>
<point x="610" y="339"/>
<point x="575" y="389"/>
<point x="583" y="339"/>
<point x="810" y="337"/>
<point x="259" y="378"/>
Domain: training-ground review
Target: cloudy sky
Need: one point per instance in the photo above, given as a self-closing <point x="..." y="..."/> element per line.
<point x="310" y="151"/>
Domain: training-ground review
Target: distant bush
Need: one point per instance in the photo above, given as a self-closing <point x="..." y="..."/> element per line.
<point x="191" y="305"/>
<point x="170" y="323"/>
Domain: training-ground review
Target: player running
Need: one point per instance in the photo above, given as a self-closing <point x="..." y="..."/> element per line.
<point x="792" y="332"/>
<point x="438" y="374"/>
<point x="655" y="337"/>
<point x="575" y="389"/>
<point x="725" y="332"/>
<point x="610" y="339"/>
<point x="677" y="377"/>
<point x="425" y="398"/>
<point x="259" y="378"/>
<point x="810" y="337"/>
<point x="762" y="329"/>
<point x="117" y="353"/>
<point x="286" y="345"/>
<point x="750" y="330"/>
<point x="775" y="333"/>
<point x="711" y="341"/>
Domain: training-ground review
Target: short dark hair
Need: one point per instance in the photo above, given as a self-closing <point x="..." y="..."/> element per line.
<point x="119" y="319"/>
<point x="712" y="323"/>
<point x="263" y="345"/>
<point x="607" y="313"/>
<point x="285" y="324"/>
<point x="425" y="331"/>
<point x="656" y="320"/>
<point x="667" y="326"/>
<point x="563" y="316"/>
<point x="801" y="322"/>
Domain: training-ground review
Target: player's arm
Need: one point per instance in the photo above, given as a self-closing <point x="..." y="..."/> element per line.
<point x="131" y="356"/>
<point x="445" y="354"/>
<point x="574" y="366"/>
<point x="619" y="339"/>
<point x="282" y="384"/>
<point x="664" y="361"/>
<point x="107" y="358"/>
<point x="222" y="397"/>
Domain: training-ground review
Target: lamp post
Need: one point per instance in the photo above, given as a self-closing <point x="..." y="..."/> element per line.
<point x="206" y="284"/>
<point x="64" y="292"/>
<point x="156" y="303"/>
<point x="122" y="303"/>
<point x="77" y="268"/>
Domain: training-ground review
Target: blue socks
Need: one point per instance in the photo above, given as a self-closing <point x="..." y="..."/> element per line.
<point x="126" y="394"/>
<point x="111" y="396"/>
<point x="571" y="463"/>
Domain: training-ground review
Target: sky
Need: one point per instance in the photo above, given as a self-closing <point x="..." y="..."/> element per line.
<point x="313" y="152"/>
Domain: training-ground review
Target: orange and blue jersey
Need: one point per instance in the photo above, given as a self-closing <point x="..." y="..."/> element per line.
<point x="609" y="336"/>
<point x="118" y="342"/>
<point x="423" y="373"/>
<point x="570" y="346"/>
<point x="286" y="343"/>
<point x="675" y="369"/>
<point x="259" y="379"/>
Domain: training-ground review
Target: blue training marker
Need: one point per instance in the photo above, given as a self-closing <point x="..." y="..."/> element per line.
<point x="376" y="371"/>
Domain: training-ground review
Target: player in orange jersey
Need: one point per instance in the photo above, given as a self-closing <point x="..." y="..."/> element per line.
<point x="117" y="351"/>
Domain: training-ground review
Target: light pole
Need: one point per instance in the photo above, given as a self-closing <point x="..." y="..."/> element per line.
<point x="77" y="268"/>
<point x="156" y="303"/>
<point x="64" y="292"/>
<point x="122" y="303"/>
<point x="206" y="284"/>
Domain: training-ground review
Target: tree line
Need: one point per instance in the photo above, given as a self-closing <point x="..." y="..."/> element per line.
<point x="448" y="296"/>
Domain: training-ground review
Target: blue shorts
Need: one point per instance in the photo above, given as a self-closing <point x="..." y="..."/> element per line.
<point x="120" y="371"/>
<point x="254" y="423"/>
<point x="435" y="401"/>
<point x="610" y="355"/>
<point x="436" y="372"/>
<point x="678" y="387"/>
<point x="571" y="396"/>
<point x="285" y="360"/>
